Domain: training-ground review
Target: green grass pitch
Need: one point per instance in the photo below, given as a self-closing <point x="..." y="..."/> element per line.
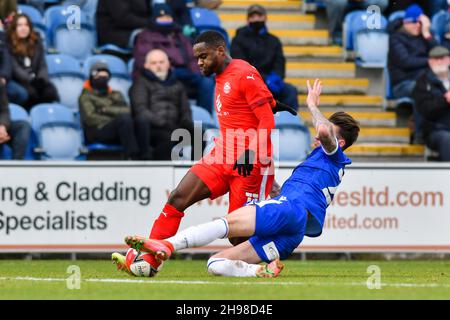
<point x="179" y="279"/>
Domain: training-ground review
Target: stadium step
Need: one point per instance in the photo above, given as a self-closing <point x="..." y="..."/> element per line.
<point x="270" y="5"/>
<point x="380" y="135"/>
<point x="320" y="70"/>
<point x="297" y="37"/>
<point x="366" y="119"/>
<point x="347" y="101"/>
<point x="334" y="85"/>
<point x="386" y="150"/>
<point x="321" y="53"/>
<point x="275" y="21"/>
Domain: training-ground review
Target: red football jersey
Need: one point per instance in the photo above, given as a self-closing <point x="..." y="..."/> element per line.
<point x="239" y="89"/>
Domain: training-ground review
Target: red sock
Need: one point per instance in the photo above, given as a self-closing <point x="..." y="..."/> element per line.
<point x="167" y="223"/>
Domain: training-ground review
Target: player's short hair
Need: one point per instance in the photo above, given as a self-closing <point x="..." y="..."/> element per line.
<point x="211" y="39"/>
<point x="348" y="127"/>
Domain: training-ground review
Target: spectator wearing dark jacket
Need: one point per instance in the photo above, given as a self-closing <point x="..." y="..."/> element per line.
<point x="158" y="98"/>
<point x="14" y="133"/>
<point x="164" y="34"/>
<point x="409" y="45"/>
<point x="254" y="44"/>
<point x="106" y="117"/>
<point x="432" y="97"/>
<point x="30" y="83"/>
<point x="7" y="10"/>
<point x="117" y="19"/>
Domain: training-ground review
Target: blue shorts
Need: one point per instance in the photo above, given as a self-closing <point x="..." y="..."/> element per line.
<point x="280" y="228"/>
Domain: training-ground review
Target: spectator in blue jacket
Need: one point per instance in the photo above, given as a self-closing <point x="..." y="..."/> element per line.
<point x="409" y="45"/>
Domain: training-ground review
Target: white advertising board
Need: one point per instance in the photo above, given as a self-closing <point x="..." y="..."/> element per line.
<point x="75" y="207"/>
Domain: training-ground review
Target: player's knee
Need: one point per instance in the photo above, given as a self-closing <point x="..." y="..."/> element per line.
<point x="215" y="265"/>
<point x="177" y="200"/>
<point x="237" y="241"/>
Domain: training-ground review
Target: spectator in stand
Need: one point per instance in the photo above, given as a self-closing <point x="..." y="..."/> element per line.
<point x="336" y="10"/>
<point x="254" y="44"/>
<point x="446" y="38"/>
<point x="117" y="19"/>
<point x="410" y="42"/>
<point x="164" y="34"/>
<point x="106" y="117"/>
<point x="14" y="133"/>
<point x="182" y="16"/>
<point x="432" y="96"/>
<point x="160" y="100"/>
<point x="30" y="83"/>
<point x="8" y="9"/>
<point x="409" y="45"/>
<point x="431" y="7"/>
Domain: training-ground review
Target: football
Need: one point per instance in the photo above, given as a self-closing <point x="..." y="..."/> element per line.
<point x="142" y="264"/>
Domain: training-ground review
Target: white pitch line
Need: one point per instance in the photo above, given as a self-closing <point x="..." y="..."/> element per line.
<point x="275" y="283"/>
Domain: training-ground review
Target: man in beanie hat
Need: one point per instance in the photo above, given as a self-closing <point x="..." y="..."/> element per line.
<point x="106" y="117"/>
<point x="432" y="97"/>
<point x="163" y="33"/>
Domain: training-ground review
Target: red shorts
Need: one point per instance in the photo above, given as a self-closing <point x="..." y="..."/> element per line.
<point x="221" y="178"/>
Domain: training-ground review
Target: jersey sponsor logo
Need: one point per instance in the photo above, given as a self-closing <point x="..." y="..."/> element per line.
<point x="271" y="251"/>
<point x="252" y="77"/>
<point x="252" y="197"/>
<point x="272" y="201"/>
<point x="227" y="88"/>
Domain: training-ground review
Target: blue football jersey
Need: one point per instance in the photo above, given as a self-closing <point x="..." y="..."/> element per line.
<point x="313" y="184"/>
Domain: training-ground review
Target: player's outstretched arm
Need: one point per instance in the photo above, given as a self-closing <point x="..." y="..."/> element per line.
<point x="324" y="128"/>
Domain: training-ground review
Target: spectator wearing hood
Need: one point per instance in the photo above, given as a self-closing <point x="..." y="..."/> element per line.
<point x="106" y="117"/>
<point x="254" y="44"/>
<point x="160" y="100"/>
<point x="163" y="33"/>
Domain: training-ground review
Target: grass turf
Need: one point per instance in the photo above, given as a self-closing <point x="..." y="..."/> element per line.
<point x="299" y="280"/>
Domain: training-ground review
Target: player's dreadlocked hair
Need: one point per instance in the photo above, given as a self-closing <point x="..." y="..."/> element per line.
<point x="211" y="39"/>
<point x="348" y="127"/>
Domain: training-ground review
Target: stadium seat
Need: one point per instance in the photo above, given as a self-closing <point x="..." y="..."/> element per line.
<point x="78" y="41"/>
<point x="90" y="9"/>
<point x="293" y="143"/>
<point x="18" y="113"/>
<point x="201" y="115"/>
<point x="368" y="54"/>
<point x="117" y="66"/>
<point x="285" y="118"/>
<point x="438" y="24"/>
<point x="130" y="66"/>
<point x="403" y="101"/>
<point x="204" y="17"/>
<point x="33" y="13"/>
<point x="396" y="15"/>
<point x="123" y="85"/>
<point x="49" y="113"/>
<point x="355" y="22"/>
<point x="222" y="31"/>
<point x="65" y="73"/>
<point x="61" y="141"/>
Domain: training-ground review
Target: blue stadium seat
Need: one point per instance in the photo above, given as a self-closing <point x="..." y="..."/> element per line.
<point x="123" y="85"/>
<point x="222" y="31"/>
<point x="116" y="66"/>
<point x="77" y="41"/>
<point x="292" y="144"/>
<point x="48" y="113"/>
<point x="18" y="113"/>
<point x="389" y="95"/>
<point x="33" y="13"/>
<point x="202" y="115"/>
<point x="61" y="141"/>
<point x="396" y="15"/>
<point x="204" y="17"/>
<point x="285" y="118"/>
<point x="372" y="48"/>
<point x="130" y="66"/>
<point x="438" y="24"/>
<point x="90" y="9"/>
<point x="356" y="21"/>
<point x="65" y="73"/>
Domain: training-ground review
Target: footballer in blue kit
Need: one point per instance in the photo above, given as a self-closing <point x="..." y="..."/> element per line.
<point x="275" y="227"/>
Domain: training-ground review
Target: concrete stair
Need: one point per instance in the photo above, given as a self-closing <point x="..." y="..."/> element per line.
<point x="270" y="5"/>
<point x="309" y="56"/>
<point x="296" y="37"/>
<point x="293" y="21"/>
